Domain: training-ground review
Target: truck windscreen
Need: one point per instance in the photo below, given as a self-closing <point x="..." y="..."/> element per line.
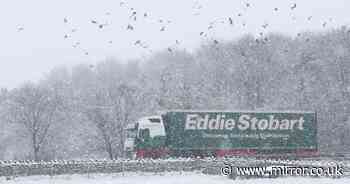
<point x="131" y="133"/>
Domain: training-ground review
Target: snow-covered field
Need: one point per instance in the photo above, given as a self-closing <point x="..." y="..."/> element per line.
<point x="168" y="178"/>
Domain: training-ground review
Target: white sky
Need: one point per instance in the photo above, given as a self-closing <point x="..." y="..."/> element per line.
<point x="40" y="46"/>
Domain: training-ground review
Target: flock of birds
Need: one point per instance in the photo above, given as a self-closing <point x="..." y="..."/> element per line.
<point x="163" y="25"/>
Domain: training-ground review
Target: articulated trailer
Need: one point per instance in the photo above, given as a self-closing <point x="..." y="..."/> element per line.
<point x="187" y="133"/>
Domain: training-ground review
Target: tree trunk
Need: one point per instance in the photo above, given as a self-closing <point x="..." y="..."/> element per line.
<point x="36" y="147"/>
<point x="109" y="149"/>
<point x="110" y="152"/>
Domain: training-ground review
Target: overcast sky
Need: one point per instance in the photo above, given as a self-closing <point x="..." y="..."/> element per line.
<point x="32" y="33"/>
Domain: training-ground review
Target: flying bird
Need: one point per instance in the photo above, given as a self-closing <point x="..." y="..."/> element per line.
<point x="216" y="42"/>
<point x="162" y="29"/>
<point x="65" y="20"/>
<point x="324" y="24"/>
<point x="65" y="36"/>
<point x="197" y="6"/>
<point x="76" y="45"/>
<point x="137" y="42"/>
<point x="201" y="33"/>
<point x="94" y="21"/>
<point x="265" y="25"/>
<point x="239" y="15"/>
<point x="142" y="45"/>
<point x="309" y="18"/>
<point x="133" y="14"/>
<point x="20" y="29"/>
<point x="110" y="42"/>
<point x="130" y="27"/>
<point x="275" y="9"/>
<point x="102" y="25"/>
<point x="293" y="6"/>
<point x="230" y="20"/>
<point x="247" y="5"/>
<point x="169" y="49"/>
<point x="145" y="15"/>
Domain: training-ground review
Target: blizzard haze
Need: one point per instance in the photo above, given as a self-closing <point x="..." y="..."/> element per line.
<point x="32" y="34"/>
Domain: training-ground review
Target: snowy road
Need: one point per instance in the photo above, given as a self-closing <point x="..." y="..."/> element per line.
<point x="169" y="178"/>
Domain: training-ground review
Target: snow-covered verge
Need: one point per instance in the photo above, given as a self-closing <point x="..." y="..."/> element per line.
<point x="164" y="178"/>
<point x="207" y="165"/>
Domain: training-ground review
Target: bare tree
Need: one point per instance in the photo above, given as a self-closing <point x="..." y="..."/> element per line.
<point x="35" y="108"/>
<point x="108" y="100"/>
<point x="111" y="110"/>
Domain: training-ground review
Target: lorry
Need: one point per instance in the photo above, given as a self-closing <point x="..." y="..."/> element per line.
<point x="188" y="133"/>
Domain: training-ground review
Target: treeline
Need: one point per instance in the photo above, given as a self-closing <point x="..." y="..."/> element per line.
<point x="80" y="112"/>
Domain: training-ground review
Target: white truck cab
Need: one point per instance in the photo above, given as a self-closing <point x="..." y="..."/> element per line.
<point x="149" y="126"/>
